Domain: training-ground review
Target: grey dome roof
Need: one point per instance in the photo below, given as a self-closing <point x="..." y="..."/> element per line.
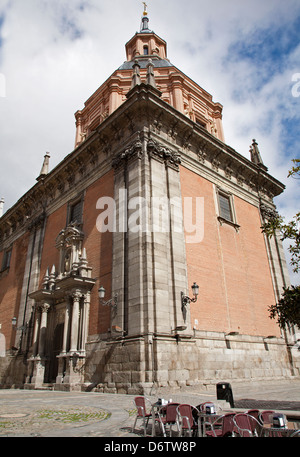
<point x="157" y="63"/>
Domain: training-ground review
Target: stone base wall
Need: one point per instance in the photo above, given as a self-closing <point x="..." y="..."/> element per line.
<point x="138" y="365"/>
<point x="144" y="364"/>
<point x="13" y="369"/>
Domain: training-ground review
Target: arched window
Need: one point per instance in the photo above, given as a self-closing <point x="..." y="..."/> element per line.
<point x="146" y="50"/>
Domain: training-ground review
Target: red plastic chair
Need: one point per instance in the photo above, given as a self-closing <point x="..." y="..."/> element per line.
<point x="168" y="416"/>
<point x="247" y="426"/>
<point x="140" y="403"/>
<point x="227" y="426"/>
<point x="186" y="419"/>
<point x="254" y="412"/>
<point x="265" y="417"/>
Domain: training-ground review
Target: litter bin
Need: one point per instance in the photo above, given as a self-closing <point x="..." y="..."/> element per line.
<point x="224" y="392"/>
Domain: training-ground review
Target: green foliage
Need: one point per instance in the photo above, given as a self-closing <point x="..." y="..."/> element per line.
<point x="295" y="170"/>
<point x="288" y="231"/>
<point x="287" y="310"/>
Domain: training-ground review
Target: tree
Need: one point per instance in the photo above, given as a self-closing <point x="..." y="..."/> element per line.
<point x="288" y="231"/>
<point x="287" y="310"/>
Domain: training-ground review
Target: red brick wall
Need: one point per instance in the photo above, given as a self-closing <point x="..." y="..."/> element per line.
<point x="98" y="247"/>
<point x="11" y="282"/>
<point x="231" y="268"/>
<point x="99" y="251"/>
<point x="50" y="255"/>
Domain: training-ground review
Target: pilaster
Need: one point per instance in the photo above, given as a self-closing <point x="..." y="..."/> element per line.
<point x="149" y="266"/>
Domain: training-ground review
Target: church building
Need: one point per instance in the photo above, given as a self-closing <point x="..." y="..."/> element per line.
<point x="139" y="261"/>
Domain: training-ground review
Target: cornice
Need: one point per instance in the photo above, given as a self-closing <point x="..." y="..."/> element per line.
<point x="211" y="153"/>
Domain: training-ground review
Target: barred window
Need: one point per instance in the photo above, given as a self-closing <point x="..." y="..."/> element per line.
<point x="225" y="207"/>
<point x="6" y="259"/>
<point x="75" y="212"/>
<point x="226" y="212"/>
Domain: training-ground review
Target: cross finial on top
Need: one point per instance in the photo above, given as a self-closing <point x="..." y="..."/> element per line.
<point x="145" y="8"/>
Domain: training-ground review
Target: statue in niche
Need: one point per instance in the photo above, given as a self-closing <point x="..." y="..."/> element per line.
<point x="67" y="261"/>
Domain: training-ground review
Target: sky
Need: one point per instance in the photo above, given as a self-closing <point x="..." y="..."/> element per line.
<point x="55" y="53"/>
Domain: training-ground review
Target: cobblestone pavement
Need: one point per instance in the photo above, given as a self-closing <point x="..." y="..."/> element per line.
<point x="45" y="413"/>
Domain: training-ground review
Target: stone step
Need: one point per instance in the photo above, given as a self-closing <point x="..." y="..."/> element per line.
<point x="45" y="386"/>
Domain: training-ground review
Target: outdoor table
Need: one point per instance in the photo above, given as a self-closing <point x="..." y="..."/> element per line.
<point x="156" y="409"/>
<point x="203" y="418"/>
<point x="290" y="428"/>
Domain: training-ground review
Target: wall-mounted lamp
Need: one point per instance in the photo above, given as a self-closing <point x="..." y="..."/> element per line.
<point x="180" y="328"/>
<point x="113" y="302"/>
<point x="185" y="299"/>
<point x="22" y="327"/>
<point x="176" y="330"/>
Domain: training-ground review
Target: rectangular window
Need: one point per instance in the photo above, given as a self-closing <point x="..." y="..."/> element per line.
<point x="75" y="212"/>
<point x="6" y="259"/>
<point x="201" y="123"/>
<point x="225" y="207"/>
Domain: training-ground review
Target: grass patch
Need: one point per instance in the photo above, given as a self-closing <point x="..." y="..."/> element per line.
<point x="73" y="415"/>
<point x="131" y="412"/>
<point x="4" y="425"/>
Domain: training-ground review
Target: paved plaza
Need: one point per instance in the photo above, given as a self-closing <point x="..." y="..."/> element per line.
<point x="47" y="413"/>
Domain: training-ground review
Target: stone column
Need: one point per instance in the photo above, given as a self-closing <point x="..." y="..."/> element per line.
<point x="177" y="84"/>
<point x="75" y="322"/>
<point x="43" y="327"/>
<point x="40" y="359"/>
<point x="66" y="329"/>
<point x="36" y="331"/>
<point x="113" y="95"/>
<point x="78" y="138"/>
<point x="85" y="322"/>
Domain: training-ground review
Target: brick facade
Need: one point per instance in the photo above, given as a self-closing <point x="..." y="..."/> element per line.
<point x="230" y="266"/>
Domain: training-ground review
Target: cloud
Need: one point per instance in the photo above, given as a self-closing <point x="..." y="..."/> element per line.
<point x="55" y="53"/>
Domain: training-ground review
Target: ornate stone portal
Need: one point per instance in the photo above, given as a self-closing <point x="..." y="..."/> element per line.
<point x="62" y="316"/>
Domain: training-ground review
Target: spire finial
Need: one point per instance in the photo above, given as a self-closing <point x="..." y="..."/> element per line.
<point x="136" y="77"/>
<point x="145" y="13"/>
<point x="150" y="74"/>
<point x="145" y="20"/>
<point x="255" y="155"/>
<point x="1" y="206"/>
<point x="45" y="167"/>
